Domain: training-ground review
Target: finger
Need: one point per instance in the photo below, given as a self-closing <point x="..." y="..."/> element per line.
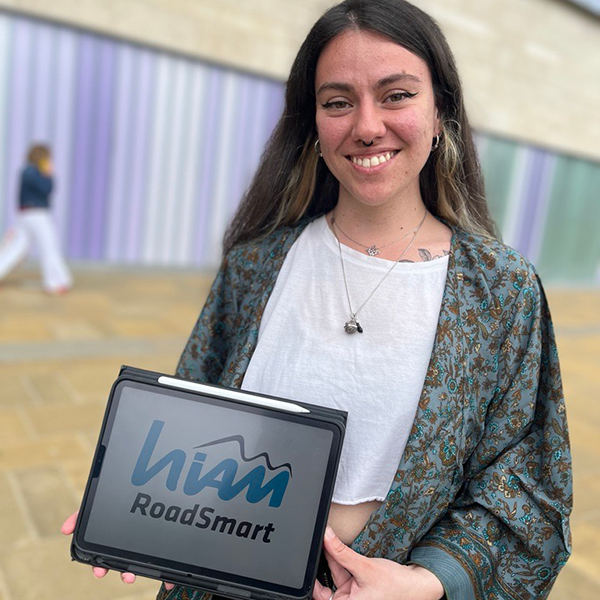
<point x="340" y="574"/>
<point x="346" y="557"/>
<point x="127" y="577"/>
<point x="320" y="592"/>
<point x="168" y="586"/>
<point x="68" y="526"/>
<point x="99" y="572"/>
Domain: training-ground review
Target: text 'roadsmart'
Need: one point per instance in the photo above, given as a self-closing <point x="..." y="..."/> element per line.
<point x="221" y="477"/>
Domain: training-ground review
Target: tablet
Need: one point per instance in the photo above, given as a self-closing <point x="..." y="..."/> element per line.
<point x="209" y="487"/>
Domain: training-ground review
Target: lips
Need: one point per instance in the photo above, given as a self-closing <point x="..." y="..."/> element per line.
<point x="373" y="161"/>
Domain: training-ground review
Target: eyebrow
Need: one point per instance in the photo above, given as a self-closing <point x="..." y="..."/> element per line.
<point x="385" y="81"/>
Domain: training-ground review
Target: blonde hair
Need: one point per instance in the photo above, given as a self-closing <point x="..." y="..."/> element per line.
<point x="38" y="153"/>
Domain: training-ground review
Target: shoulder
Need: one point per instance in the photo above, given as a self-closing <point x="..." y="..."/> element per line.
<point x="29" y="172"/>
<point x="32" y="173"/>
<point x="493" y="270"/>
<point x="261" y="255"/>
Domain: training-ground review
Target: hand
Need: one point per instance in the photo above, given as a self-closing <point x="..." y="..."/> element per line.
<point x="69" y="527"/>
<point x="46" y="167"/>
<point x="357" y="577"/>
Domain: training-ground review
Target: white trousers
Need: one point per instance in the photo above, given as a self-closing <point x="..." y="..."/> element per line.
<point x="34" y="226"/>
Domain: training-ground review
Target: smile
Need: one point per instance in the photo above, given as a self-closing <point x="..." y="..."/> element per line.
<point x="373" y="161"/>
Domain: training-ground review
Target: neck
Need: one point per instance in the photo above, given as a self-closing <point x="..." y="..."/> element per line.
<point x="377" y="224"/>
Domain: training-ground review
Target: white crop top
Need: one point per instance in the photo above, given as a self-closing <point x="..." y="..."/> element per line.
<point x="303" y="352"/>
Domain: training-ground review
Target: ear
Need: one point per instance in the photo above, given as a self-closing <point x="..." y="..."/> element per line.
<point x="437" y="123"/>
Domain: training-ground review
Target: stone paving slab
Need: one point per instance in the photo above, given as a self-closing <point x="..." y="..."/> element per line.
<point x="48" y="497"/>
<point x="59" y="357"/>
<point x="44" y="570"/>
<point x="12" y="521"/>
<point x="45" y="451"/>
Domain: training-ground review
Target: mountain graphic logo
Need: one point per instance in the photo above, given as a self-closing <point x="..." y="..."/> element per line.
<point x="222" y="477"/>
<point x="242" y="444"/>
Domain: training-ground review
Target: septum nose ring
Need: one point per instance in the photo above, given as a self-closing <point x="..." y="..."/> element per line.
<point x="368" y="145"/>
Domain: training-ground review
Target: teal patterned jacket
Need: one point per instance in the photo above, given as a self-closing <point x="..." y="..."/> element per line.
<point x="483" y="492"/>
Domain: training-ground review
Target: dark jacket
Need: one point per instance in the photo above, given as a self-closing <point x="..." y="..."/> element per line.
<point x="35" y="188"/>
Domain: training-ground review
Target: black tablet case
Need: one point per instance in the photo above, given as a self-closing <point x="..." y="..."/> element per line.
<point x="234" y="503"/>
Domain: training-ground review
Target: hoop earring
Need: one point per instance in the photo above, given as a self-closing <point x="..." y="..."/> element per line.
<point x="436" y="143"/>
<point x="318" y="148"/>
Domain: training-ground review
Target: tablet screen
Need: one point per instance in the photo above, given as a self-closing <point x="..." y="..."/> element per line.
<point x="203" y="482"/>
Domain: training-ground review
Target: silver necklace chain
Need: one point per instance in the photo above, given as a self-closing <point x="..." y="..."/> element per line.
<point x="352" y="326"/>
<point x="373" y="249"/>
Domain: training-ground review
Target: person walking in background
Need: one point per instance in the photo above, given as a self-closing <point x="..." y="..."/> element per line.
<point x="34" y="225"/>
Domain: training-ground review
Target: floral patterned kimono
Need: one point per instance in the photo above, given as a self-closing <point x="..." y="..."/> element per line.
<point x="482" y="494"/>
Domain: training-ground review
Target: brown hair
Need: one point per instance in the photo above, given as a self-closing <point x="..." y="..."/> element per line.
<point x="291" y="182"/>
<point x="37" y="153"/>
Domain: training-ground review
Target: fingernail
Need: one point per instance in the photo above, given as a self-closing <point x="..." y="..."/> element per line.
<point x="329" y="532"/>
<point x="128" y="577"/>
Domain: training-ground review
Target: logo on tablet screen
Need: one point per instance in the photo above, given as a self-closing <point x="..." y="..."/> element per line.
<point x="265" y="480"/>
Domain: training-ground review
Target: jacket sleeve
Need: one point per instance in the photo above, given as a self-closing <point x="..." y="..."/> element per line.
<point x="506" y="536"/>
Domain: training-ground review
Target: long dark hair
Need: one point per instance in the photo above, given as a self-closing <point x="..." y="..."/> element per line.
<point x="291" y="182"/>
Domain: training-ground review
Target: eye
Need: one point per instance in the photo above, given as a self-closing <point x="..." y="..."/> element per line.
<point x="336" y="104"/>
<point x="397" y="97"/>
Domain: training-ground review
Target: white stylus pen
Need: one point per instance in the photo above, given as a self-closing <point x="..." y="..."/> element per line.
<point x="232" y="395"/>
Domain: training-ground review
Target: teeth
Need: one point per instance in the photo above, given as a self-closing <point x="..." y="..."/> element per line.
<point x="373" y="161"/>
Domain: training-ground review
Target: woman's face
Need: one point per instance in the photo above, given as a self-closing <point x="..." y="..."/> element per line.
<point x="371" y="89"/>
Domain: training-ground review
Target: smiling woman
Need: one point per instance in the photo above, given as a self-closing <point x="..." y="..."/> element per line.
<point x="362" y="272"/>
<point x="367" y="216"/>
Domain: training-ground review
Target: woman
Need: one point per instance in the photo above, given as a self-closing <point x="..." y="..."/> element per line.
<point x="361" y="271"/>
<point x="34" y="225"/>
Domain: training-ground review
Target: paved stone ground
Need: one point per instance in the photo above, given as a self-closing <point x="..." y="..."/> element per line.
<point x="59" y="356"/>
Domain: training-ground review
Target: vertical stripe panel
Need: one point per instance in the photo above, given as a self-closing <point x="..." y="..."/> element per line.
<point x="160" y="150"/>
<point x="224" y="149"/>
<point x="178" y="131"/>
<point x="242" y="118"/>
<point x="19" y="111"/>
<point x="42" y="89"/>
<point x="141" y="136"/>
<point x="192" y="159"/>
<point x="6" y="40"/>
<point x="63" y="122"/>
<point x="515" y="193"/>
<point x="120" y="156"/>
<point x="536" y="203"/>
<point x="103" y="89"/>
<point x="82" y="155"/>
<point x="498" y="162"/>
<point x="207" y="167"/>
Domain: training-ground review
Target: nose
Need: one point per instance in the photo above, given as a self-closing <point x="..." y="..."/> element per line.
<point x="369" y="123"/>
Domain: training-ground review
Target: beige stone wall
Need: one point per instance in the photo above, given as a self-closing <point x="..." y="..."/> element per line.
<point x="531" y="68"/>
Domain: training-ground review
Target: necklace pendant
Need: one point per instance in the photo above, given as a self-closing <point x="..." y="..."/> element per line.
<point x="352" y="326"/>
<point x="372" y="250"/>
